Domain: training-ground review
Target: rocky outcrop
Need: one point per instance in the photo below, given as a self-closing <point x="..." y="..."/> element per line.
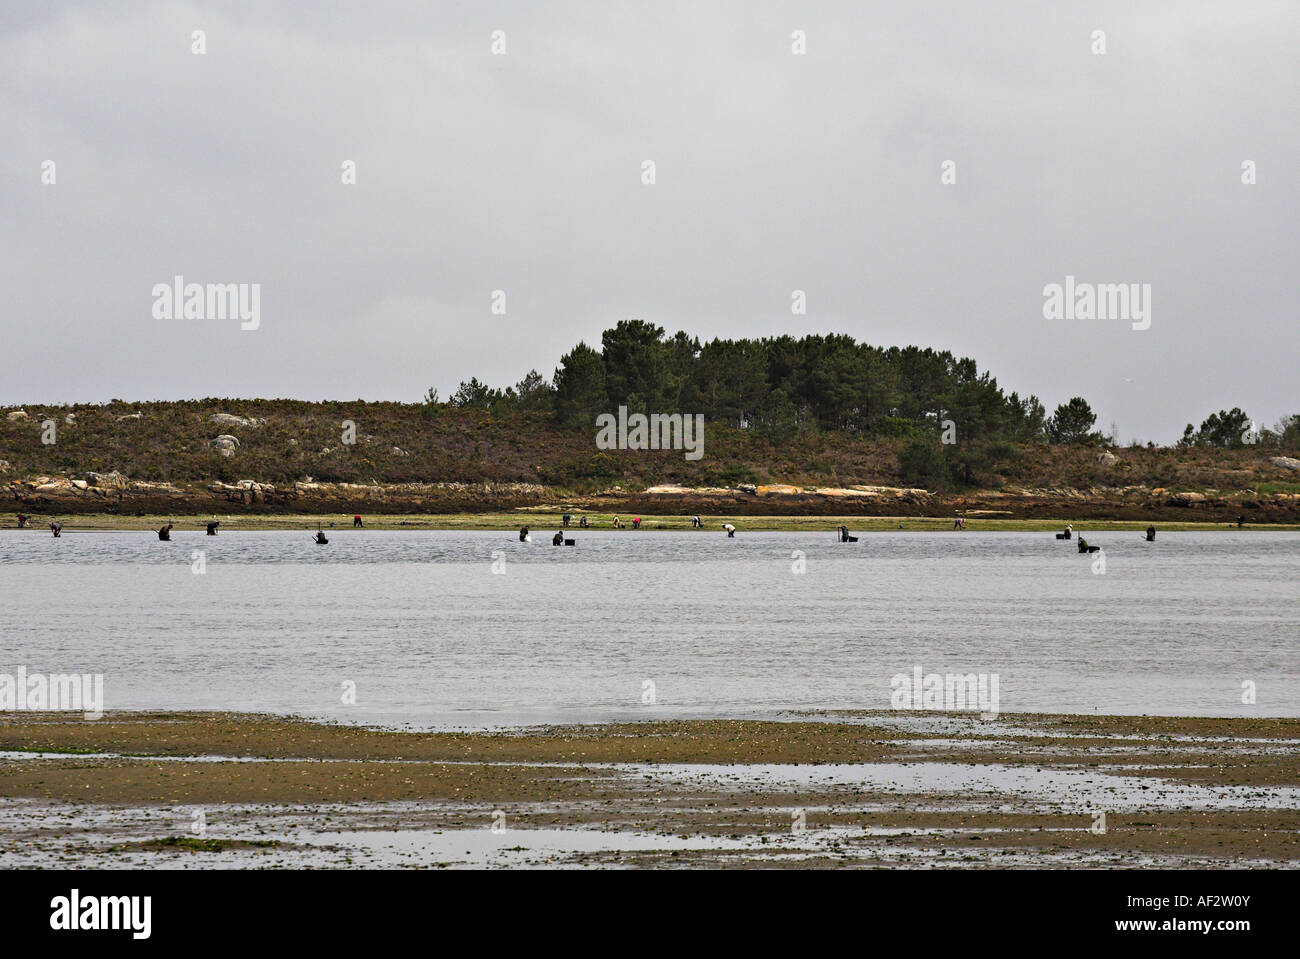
<point x="113" y="480"/>
<point x="1107" y="458"/>
<point x="1286" y="462"/>
<point x="16" y="416"/>
<point x="779" y="494"/>
<point x="230" y="419"/>
<point x="114" y="492"/>
<point x="225" y="444"/>
<point x="248" y="492"/>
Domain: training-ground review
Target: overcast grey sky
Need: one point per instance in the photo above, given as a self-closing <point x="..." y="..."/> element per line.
<point x="523" y="173"/>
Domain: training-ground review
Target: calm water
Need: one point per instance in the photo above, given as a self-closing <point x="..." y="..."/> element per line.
<point x="432" y="636"/>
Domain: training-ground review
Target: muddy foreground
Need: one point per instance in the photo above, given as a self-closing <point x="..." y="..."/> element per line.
<point x="212" y="790"/>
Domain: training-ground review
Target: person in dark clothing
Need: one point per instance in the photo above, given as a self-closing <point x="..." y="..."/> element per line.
<point x="356" y="521"/>
<point x="212" y="527"/>
<point x="558" y="538"/>
<point x="22" y="521"/>
<point x="567" y="519"/>
<point x="1151" y="534"/>
<point x="1240" y="520"/>
<point x="523" y="534"/>
<point x="320" y="537"/>
<point x="56" y="529"/>
<point x="582" y="522"/>
<point x="165" y="533"/>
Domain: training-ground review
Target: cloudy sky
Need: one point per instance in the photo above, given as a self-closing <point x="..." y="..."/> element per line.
<point x="774" y="171"/>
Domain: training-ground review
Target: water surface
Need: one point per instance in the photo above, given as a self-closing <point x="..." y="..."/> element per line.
<point x="475" y="629"/>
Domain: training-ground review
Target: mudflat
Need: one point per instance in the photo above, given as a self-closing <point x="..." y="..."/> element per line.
<point x="843" y="789"/>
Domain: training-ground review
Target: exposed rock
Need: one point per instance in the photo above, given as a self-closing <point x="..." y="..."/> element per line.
<point x="137" y="415"/>
<point x="1185" y="499"/>
<point x="13" y="416"/>
<point x="4" y="466"/>
<point x="788" y="493"/>
<point x="1286" y="462"/>
<point x="80" y="484"/>
<point x="245" y="491"/>
<point x="165" y="489"/>
<point x="111" y="480"/>
<point x="398" y="451"/>
<point x="230" y="419"/>
<point x="1107" y="458"/>
<point x="70" y="419"/>
<point x="225" y="444"/>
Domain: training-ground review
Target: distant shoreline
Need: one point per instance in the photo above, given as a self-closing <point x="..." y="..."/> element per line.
<point x="598" y="522"/>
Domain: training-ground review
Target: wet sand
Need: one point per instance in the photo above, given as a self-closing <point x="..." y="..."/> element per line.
<point x="878" y="788"/>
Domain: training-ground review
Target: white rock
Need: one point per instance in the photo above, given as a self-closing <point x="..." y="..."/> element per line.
<point x="229" y="419"/>
<point x="110" y="480"/>
<point x="225" y="444"/>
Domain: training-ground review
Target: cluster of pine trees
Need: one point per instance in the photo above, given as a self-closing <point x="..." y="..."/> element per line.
<point x="779" y="385"/>
<point x="953" y="421"/>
